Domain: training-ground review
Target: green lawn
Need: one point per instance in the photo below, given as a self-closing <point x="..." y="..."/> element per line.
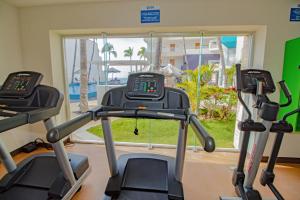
<point x="165" y="132"/>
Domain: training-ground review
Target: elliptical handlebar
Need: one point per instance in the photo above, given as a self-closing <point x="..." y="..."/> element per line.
<point x="286" y="93"/>
<point x="290" y="113"/>
<point x="239" y="89"/>
<point x="205" y="139"/>
<point x="238" y="78"/>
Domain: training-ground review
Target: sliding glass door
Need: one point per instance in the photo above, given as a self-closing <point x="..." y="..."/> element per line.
<point x="200" y="64"/>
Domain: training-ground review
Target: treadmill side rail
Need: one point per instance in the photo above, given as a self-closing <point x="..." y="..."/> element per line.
<point x="13" y="122"/>
<point x="109" y="145"/>
<point x="6" y="159"/>
<point x="180" y="151"/>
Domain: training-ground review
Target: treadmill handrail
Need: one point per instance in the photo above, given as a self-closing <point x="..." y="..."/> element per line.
<point x="141" y="114"/>
<point x="13" y="122"/>
<point x="42" y="114"/>
<point x="63" y="130"/>
<point x="205" y="139"/>
<point x="30" y="117"/>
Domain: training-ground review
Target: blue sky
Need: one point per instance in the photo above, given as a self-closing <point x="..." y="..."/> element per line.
<point x="120" y="44"/>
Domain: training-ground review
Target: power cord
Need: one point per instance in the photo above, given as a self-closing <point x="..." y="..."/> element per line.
<point x="37" y="143"/>
<point x="41" y="143"/>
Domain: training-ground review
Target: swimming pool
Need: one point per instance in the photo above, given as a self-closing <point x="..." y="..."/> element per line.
<point x="74" y="91"/>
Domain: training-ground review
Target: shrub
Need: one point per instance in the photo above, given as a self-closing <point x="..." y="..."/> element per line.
<point x="215" y="102"/>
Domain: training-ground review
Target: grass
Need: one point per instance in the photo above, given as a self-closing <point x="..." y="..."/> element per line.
<point x="166" y="132"/>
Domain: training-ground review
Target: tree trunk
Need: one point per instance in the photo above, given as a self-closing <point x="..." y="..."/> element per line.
<point x="83" y="77"/>
<point x="221" y="79"/>
<point x="74" y="62"/>
<point x="130" y="65"/>
<point x="91" y="60"/>
<point x="157" y="62"/>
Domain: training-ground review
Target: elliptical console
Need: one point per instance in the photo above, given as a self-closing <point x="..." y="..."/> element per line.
<point x="250" y="78"/>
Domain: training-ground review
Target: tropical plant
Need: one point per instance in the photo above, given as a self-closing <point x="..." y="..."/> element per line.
<point x="129" y="53"/>
<point x="190" y="79"/>
<point x="216" y="102"/>
<point x="141" y="53"/>
<point x="229" y="73"/>
<point x="109" y="48"/>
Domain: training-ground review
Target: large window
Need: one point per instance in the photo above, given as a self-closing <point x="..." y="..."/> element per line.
<point x="202" y="65"/>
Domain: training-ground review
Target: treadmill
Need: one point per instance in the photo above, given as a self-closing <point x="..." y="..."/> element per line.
<point x="43" y="176"/>
<point x="138" y="175"/>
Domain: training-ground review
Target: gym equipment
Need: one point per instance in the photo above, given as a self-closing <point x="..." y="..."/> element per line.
<point x="259" y="83"/>
<point x="280" y="128"/>
<point x="291" y="74"/>
<point x="144" y="176"/>
<point x="43" y="176"/>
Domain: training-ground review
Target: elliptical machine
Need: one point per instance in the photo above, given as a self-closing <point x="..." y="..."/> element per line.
<point x="280" y="128"/>
<point x="259" y="83"/>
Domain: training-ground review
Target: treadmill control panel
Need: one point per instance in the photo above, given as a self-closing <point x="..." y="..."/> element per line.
<point x="20" y="84"/>
<point x="145" y="85"/>
<point x="250" y="78"/>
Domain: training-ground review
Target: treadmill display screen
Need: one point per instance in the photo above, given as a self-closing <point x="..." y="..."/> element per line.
<point x="20" y="84"/>
<point x="145" y="85"/>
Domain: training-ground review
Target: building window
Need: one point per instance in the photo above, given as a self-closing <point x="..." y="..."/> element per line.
<point x="197" y="45"/>
<point x="213" y="45"/>
<point x="172" y="61"/>
<point x="172" y="47"/>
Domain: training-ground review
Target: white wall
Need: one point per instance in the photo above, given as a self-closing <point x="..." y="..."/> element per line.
<point x="10" y="61"/>
<point x="269" y="21"/>
<point x="10" y="44"/>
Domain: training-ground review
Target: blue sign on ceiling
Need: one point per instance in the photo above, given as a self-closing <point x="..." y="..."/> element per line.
<point x="295" y="15"/>
<point x="150" y="14"/>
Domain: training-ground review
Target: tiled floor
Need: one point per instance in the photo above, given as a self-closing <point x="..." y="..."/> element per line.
<point x="206" y="175"/>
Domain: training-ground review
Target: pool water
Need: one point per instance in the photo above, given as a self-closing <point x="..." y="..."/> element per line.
<point x="74" y="91"/>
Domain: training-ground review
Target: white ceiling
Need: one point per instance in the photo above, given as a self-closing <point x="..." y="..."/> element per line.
<point x="28" y="3"/>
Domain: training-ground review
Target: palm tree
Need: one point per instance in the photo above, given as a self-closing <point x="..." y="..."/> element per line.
<point x="221" y="79"/>
<point x="108" y="48"/>
<point x="141" y="53"/>
<point x="158" y="51"/>
<point x="92" y="57"/>
<point x="129" y="53"/>
<point x="83" y="105"/>
<point x="74" y="62"/>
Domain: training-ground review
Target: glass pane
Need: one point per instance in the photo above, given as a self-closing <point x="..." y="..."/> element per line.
<point x="82" y="58"/>
<point x="200" y="65"/>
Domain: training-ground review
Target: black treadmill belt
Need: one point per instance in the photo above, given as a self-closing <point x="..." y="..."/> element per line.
<point x="146" y="174"/>
<point x="35" y="175"/>
<point x="140" y="195"/>
<point x="24" y="193"/>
